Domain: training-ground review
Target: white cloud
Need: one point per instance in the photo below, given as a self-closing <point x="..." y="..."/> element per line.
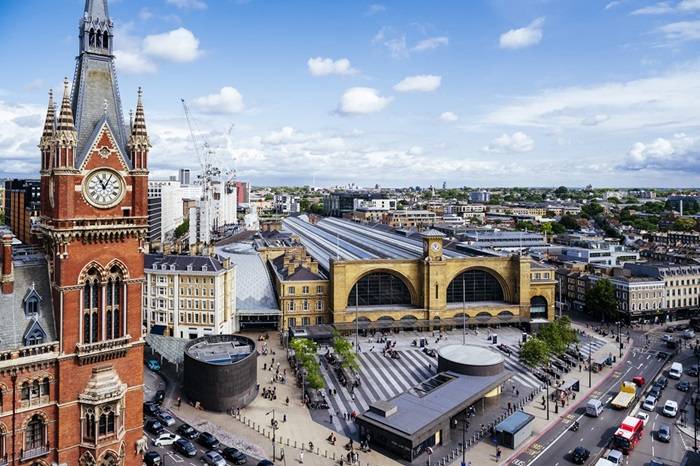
<point x="145" y="14"/>
<point x="660" y="8"/>
<point x="682" y="31"/>
<point x="419" y="83"/>
<point x="362" y="100"/>
<point x="133" y="62"/>
<point x="448" y="117"/>
<point x="375" y="8"/>
<point x="680" y="153"/>
<point x="612" y="4"/>
<point x="34" y="84"/>
<point x="178" y="45"/>
<point x="689" y="5"/>
<point x="505" y="143"/>
<point x="188" y="4"/>
<point x="431" y="43"/>
<point x="595" y="120"/>
<point x="227" y="100"/>
<point x="320" y="66"/>
<point x="523" y="37"/>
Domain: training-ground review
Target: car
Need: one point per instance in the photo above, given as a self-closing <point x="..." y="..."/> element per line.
<point x="667" y="338"/>
<point x="683" y="385"/>
<point x="643" y="416"/>
<point x="692" y="370"/>
<point x="152" y="458"/>
<point x="580" y="455"/>
<point x="150" y="408"/>
<point x="661" y="382"/>
<point x="688" y="334"/>
<point x="655" y="392"/>
<point x="662" y="355"/>
<point x="154" y="426"/>
<point x="234" y="455"/>
<point x="153" y="365"/>
<point x="213" y="458"/>
<point x="185" y="447"/>
<point x="165" y="439"/>
<point x="670" y="408"/>
<point x="159" y="397"/>
<point x="615" y="457"/>
<point x="165" y="418"/>
<point x="187" y="431"/>
<point x="656" y="462"/>
<point x="265" y="463"/>
<point x="649" y="403"/>
<point x="639" y="380"/>
<point x="664" y="433"/>
<point x="208" y="440"/>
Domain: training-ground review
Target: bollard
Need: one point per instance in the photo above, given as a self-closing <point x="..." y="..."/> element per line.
<point x="325" y="453"/>
<point x="287" y="441"/>
<point x="295" y="444"/>
<point x="333" y="456"/>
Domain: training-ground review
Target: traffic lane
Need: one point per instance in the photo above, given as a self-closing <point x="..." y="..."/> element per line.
<point x="595" y="432"/>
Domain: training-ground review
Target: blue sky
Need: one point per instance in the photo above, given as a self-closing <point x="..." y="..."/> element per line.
<point x="477" y="93"/>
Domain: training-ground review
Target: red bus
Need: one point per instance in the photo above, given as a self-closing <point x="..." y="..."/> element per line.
<point x="628" y="434"/>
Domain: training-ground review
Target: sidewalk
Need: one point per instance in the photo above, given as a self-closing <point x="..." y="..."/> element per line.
<point x="484" y="452"/>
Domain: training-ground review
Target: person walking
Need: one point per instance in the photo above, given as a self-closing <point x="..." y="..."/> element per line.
<point x="498" y="454"/>
<point x="301" y="456"/>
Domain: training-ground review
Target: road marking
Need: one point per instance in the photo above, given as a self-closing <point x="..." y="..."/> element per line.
<point x="649" y="357"/>
<point x="640" y="365"/>
<point x="609" y="399"/>
<point x="556" y="439"/>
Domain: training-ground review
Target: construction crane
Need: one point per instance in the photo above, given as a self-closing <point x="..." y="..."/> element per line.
<point x="208" y="171"/>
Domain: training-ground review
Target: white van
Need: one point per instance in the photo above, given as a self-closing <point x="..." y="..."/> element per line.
<point x="594" y="407"/>
<point x="676" y="371"/>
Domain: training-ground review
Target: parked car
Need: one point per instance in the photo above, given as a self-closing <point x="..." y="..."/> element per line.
<point x="234" y="455"/>
<point x="208" y="440"/>
<point x="150" y="408"/>
<point x="649" y="403"/>
<point x="670" y="408"/>
<point x="688" y="334"/>
<point x="154" y="426"/>
<point x="662" y="355"/>
<point x="166" y="418"/>
<point x="661" y="382"/>
<point x="159" y="397"/>
<point x="266" y="463"/>
<point x="213" y="458"/>
<point x="656" y="462"/>
<point x="655" y="392"/>
<point x="153" y="365"/>
<point x="580" y="455"/>
<point x="185" y="447"/>
<point x="667" y="338"/>
<point x="165" y="439"/>
<point x="152" y="458"/>
<point x="187" y="431"/>
<point x="692" y="370"/>
<point x="643" y="416"/>
<point x="683" y="385"/>
<point x="664" y="433"/>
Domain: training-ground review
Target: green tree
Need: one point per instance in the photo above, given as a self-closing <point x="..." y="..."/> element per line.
<point x="346" y="352"/>
<point x="183" y="228"/>
<point x="601" y="300"/>
<point x="306" y="351"/>
<point x="684" y="224"/>
<point x="558" y="228"/>
<point x="592" y="209"/>
<point x="534" y="352"/>
<point x="561" y="191"/>
<point x="569" y="222"/>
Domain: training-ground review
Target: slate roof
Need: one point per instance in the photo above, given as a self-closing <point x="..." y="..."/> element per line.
<point x="300" y="274"/>
<point x="254" y="291"/>
<point x="181" y="262"/>
<point x="15" y="323"/>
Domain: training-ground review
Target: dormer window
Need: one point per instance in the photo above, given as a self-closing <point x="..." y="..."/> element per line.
<point x="31" y="302"/>
<point x="35" y="334"/>
<point x="204" y="268"/>
<point x="189" y="268"/>
<point x="172" y="267"/>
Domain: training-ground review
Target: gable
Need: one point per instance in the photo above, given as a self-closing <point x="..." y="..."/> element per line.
<point x="34" y="334"/>
<point x="102" y="150"/>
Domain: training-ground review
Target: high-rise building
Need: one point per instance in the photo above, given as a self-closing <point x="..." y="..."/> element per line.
<point x="70" y="340"/>
<point x="479" y="197"/>
<point x="184" y="176"/>
<point x="243" y="192"/>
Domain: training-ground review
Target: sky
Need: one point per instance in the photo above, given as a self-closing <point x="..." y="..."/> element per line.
<point x="396" y="93"/>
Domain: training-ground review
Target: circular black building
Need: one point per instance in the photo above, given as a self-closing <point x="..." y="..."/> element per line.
<point x="470" y="360"/>
<point x="221" y="371"/>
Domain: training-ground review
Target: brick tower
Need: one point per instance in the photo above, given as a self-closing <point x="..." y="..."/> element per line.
<point x="93" y="223"/>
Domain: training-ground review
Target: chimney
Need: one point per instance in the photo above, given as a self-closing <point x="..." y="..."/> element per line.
<point x="7" y="279"/>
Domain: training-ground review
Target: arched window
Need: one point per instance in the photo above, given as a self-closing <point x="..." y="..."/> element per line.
<point x="114" y="292"/>
<point x="92" y="37"/>
<point x="35" y="435"/>
<point x="474" y="286"/>
<point x="98" y="41"/>
<point x="89" y="428"/>
<point x="25" y="391"/>
<point x="45" y="387"/>
<point x="105" y="40"/>
<point x="379" y="289"/>
<point x="91" y="306"/>
<point x="538" y="307"/>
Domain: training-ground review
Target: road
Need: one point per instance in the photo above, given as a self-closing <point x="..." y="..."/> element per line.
<point x="555" y="446"/>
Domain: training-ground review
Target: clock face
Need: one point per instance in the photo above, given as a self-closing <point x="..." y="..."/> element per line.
<point x="104" y="188"/>
<point x="435" y="246"/>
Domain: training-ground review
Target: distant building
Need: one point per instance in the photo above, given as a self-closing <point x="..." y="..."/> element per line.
<point x="682" y="283"/>
<point x="184" y="176"/>
<point x="171" y="215"/>
<point x="286" y="204"/>
<point x="503" y="240"/>
<point x="682" y="203"/>
<point x="188" y="296"/>
<point x="642" y="194"/>
<point x="682" y="238"/>
<point x="243" y="191"/>
<point x="379" y="203"/>
<point x="22" y="205"/>
<point x="338" y="203"/>
<point x="596" y="253"/>
<point x="2" y="199"/>
<point x="224" y="203"/>
<point x="479" y="197"/>
<point x="155" y="219"/>
<point x="410" y="218"/>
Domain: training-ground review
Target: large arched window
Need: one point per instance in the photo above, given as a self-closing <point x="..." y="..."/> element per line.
<point x="35" y="433"/>
<point x="115" y="287"/>
<point x="538" y="307"/>
<point x="474" y="286"/>
<point x="379" y="289"/>
<point x="91" y="306"/>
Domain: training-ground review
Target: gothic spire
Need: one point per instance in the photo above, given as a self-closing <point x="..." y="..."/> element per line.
<point x="65" y="117"/>
<point x="50" y="122"/>
<point x="139" y="126"/>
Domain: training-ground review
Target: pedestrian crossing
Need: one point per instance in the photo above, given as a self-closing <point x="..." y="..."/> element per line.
<point x="382" y="378"/>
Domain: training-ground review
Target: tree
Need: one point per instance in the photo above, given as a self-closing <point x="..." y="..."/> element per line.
<point x="183" y="228"/>
<point x="601" y="300"/>
<point x="569" y="222"/>
<point x="306" y="351"/>
<point x="345" y="351"/>
<point x="592" y="209"/>
<point x="561" y="191"/>
<point x="534" y="352"/>
<point x="558" y="228"/>
<point x="684" y="224"/>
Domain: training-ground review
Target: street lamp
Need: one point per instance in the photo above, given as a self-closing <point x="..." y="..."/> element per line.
<point x="619" y="335"/>
<point x="274" y="430"/>
<point x="547" y="385"/>
<point x="590" y="367"/>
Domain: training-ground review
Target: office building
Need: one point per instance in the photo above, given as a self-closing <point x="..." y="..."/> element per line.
<point x="479" y="197"/>
<point x="183" y="176"/>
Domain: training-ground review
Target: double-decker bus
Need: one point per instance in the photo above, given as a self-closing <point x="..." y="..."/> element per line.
<point x="628" y="434"/>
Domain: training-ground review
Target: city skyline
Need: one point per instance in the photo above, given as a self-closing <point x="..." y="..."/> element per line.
<point x="412" y="94"/>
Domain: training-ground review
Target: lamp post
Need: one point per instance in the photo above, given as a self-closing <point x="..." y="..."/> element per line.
<point x="619" y="334"/>
<point x="274" y="430"/>
<point x="547" y="385"/>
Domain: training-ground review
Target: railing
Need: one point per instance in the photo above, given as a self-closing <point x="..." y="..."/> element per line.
<point x="38" y="349"/>
<point x="34" y="452"/>
<point x="100" y="346"/>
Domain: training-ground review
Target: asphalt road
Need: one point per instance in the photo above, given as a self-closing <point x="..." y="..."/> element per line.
<point x="555" y="446"/>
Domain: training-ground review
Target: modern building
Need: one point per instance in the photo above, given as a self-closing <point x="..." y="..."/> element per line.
<point x="243" y="192"/>
<point x="391" y="281"/>
<point x="677" y="238"/>
<point x="479" y="197"/>
<point x="183" y="176"/>
<point x="377" y="203"/>
<point x="503" y="240"/>
<point x="224" y="203"/>
<point x="339" y="203"/>
<point x="188" y="296"/>
<point x="167" y="200"/>
<point x="600" y="253"/>
<point x="286" y="204"/>
<point x="302" y="289"/>
<point x="410" y="218"/>
<point x="22" y="206"/>
<point x="70" y="341"/>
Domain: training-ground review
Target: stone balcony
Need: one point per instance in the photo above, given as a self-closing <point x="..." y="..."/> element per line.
<point x="26" y="455"/>
<point x="103" y="350"/>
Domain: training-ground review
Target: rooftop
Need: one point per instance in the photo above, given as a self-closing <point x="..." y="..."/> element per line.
<point x="254" y="291"/>
<point x="183" y="263"/>
<point x="221" y="349"/>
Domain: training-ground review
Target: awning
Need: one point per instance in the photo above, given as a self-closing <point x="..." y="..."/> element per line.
<point x="158" y="329"/>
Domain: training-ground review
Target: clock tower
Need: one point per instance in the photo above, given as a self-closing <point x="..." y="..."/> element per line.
<point x="432" y="245"/>
<point x="94" y="220"/>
